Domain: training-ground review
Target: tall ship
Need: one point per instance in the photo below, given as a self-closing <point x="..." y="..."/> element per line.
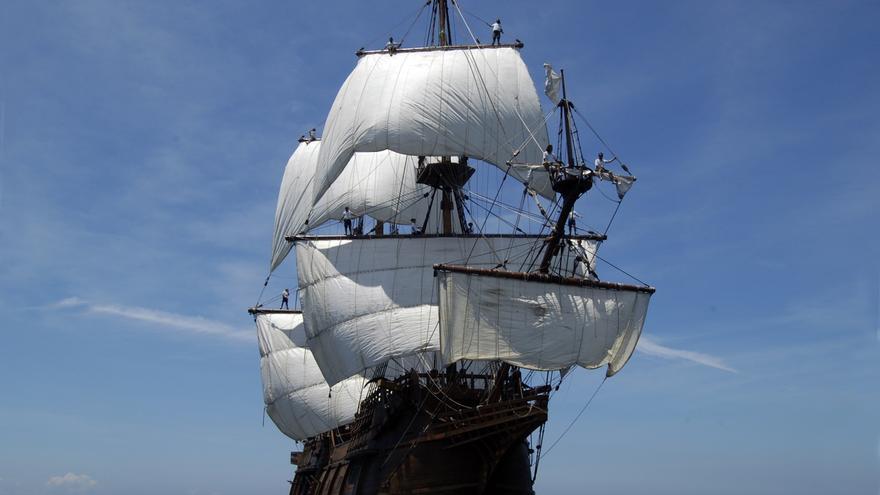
<point x="429" y="331"/>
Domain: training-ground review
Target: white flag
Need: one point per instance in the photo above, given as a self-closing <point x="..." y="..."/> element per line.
<point x="552" y="83"/>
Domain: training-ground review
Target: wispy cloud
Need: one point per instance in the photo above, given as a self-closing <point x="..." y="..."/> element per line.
<point x="184" y="323"/>
<point x="72" y="482"/>
<point x="650" y="347"/>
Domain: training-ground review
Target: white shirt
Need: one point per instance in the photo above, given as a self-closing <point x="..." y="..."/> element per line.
<point x="346" y="215"/>
<point x="600" y="162"/>
<point x="549" y="157"/>
<point x="285" y="294"/>
<point x="496" y="26"/>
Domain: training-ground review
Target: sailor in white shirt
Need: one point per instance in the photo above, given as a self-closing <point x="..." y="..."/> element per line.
<point x="601" y="161"/>
<point x="285" y="296"/>
<point x="496" y="32"/>
<point x="414" y="226"/>
<point x="346" y="220"/>
<point x="548" y="156"/>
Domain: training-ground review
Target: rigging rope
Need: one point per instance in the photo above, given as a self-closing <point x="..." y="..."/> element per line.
<point x="573" y="421"/>
<point x="484" y="21"/>
<point x="621" y="270"/>
<point x="418" y="14"/>
<point x="476" y="41"/>
<point x="579" y="114"/>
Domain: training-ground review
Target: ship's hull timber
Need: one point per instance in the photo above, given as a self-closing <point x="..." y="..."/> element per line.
<point x="430" y="433"/>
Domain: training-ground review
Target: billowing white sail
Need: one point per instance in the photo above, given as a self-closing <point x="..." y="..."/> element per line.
<point x="381" y="185"/>
<point x="294" y="198"/>
<point x="539" y="325"/>
<point x="366" y="301"/>
<point x="297" y="398"/>
<point x="478" y="102"/>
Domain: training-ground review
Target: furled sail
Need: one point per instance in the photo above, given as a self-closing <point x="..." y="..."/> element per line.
<point x="297" y="398"/>
<point x="382" y="185"/>
<point x="366" y="301"/>
<point x="478" y="102"/>
<point x="540" y="325"/>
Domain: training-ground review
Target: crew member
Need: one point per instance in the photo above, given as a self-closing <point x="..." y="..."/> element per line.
<point x="548" y="156"/>
<point x="285" y="297"/>
<point x="601" y="161"/>
<point x="496" y="32"/>
<point x="346" y="221"/>
<point x="414" y="226"/>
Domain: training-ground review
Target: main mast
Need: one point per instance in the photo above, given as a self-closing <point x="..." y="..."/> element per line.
<point x="446" y="175"/>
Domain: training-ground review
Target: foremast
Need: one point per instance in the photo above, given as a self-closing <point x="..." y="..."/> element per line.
<point x="570" y="182"/>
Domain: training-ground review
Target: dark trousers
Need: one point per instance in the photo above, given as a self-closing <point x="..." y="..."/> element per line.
<point x="347" y="224"/>
<point x="496" y="37"/>
<point x="284" y="303"/>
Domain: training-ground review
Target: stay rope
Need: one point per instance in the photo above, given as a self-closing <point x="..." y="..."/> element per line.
<point x="577" y="417"/>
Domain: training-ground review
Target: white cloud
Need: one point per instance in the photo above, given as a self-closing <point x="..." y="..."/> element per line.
<point x="72" y="482"/>
<point x="175" y="321"/>
<point x="652" y="348"/>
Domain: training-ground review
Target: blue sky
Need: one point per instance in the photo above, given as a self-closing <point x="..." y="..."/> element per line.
<point x="142" y="145"/>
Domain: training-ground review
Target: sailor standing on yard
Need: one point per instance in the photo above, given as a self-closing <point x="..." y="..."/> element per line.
<point x="414" y="226"/>
<point x="496" y="32"/>
<point x="346" y="220"/>
<point x="285" y="297"/>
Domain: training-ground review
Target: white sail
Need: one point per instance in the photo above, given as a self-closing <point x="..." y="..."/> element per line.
<point x="294" y="198"/>
<point x="381" y="185"/>
<point x="366" y="301"/>
<point x="478" y="102"/>
<point x="538" y="325"/>
<point x="297" y="398"/>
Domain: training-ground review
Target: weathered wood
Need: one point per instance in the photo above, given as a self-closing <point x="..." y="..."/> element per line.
<point x="267" y="311"/>
<point x="428" y="434"/>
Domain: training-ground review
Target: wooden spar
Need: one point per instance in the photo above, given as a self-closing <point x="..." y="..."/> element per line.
<point x="568" y="201"/>
<point x="443" y="22"/>
<point x="566" y="115"/>
<point x="544" y="278"/>
<point x="266" y="311"/>
<point x="335" y="237"/>
<point x="446" y="208"/>
<point x="516" y="45"/>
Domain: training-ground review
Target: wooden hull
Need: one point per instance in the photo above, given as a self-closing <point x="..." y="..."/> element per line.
<point x="429" y="433"/>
